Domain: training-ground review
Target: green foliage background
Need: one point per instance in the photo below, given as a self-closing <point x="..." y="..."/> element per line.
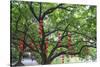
<point x="81" y="20"/>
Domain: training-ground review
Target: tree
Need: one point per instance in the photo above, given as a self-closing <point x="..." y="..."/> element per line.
<point x="39" y="25"/>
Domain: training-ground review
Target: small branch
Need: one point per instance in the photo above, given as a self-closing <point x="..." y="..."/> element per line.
<point x="49" y="33"/>
<point x="82" y="34"/>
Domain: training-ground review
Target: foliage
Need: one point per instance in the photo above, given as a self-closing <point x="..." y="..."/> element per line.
<point x="80" y="20"/>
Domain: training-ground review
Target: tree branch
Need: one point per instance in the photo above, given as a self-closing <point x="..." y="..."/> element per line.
<point x="40" y="9"/>
<point x="69" y="53"/>
<point x="56" y="29"/>
<point x="53" y="50"/>
<point x="32" y="10"/>
<point x="83" y="34"/>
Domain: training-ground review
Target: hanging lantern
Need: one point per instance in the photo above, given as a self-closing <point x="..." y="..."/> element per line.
<point x="38" y="45"/>
<point x="69" y="34"/>
<point x="46" y="47"/>
<point x="21" y="45"/>
<point x="59" y="44"/>
<point x="70" y="47"/>
<point x="62" y="57"/>
<point x="40" y="27"/>
<point x="59" y="39"/>
<point x="31" y="45"/>
<point x="40" y="32"/>
<point x="69" y="40"/>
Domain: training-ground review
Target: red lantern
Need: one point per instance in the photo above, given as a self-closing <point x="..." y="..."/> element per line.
<point x="62" y="61"/>
<point x="59" y="33"/>
<point x="31" y="45"/>
<point x="69" y="39"/>
<point x="41" y="21"/>
<point x="40" y="24"/>
<point x="40" y="27"/>
<point x="40" y="32"/>
<point x="38" y="45"/>
<point x="59" y="39"/>
<point x="62" y="57"/>
<point x="41" y="18"/>
<point x="40" y="36"/>
<point x="69" y="34"/>
<point x="21" y="45"/>
<point x="46" y="48"/>
<point x="46" y="43"/>
<point x="46" y="39"/>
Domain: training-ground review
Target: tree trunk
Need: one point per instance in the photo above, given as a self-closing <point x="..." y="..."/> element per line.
<point x="19" y="63"/>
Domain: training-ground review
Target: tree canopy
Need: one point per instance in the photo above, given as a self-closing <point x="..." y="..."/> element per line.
<point x="79" y="20"/>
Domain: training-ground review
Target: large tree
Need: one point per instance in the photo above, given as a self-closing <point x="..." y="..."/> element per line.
<point x="35" y="23"/>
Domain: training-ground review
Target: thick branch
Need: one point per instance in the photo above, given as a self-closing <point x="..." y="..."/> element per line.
<point x="49" y="33"/>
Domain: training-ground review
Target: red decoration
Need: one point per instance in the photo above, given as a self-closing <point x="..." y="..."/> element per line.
<point x="59" y="39"/>
<point x="69" y="34"/>
<point x="40" y="32"/>
<point x="21" y="45"/>
<point x="31" y="45"/>
<point x="38" y="45"/>
<point x="46" y="48"/>
<point x="62" y="57"/>
<point x="46" y="39"/>
<point x="59" y="33"/>
<point x="46" y="43"/>
<point x="41" y="18"/>
<point x="62" y="61"/>
<point x="59" y="44"/>
<point x="69" y="39"/>
<point x="40" y="27"/>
